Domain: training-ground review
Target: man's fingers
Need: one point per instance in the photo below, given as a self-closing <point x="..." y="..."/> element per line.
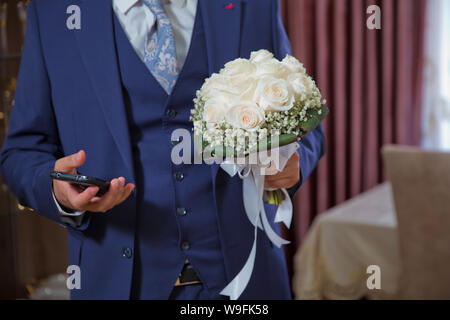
<point x="120" y="192"/>
<point x="128" y="190"/>
<point x="95" y="200"/>
<point x="101" y="204"/>
<point x="81" y="200"/>
<point x="70" y="163"/>
<point x="71" y="190"/>
<point x="89" y="200"/>
<point x="110" y="199"/>
<point x="286" y="178"/>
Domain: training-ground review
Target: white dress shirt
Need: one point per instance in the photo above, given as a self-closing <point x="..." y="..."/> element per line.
<point x="137" y="20"/>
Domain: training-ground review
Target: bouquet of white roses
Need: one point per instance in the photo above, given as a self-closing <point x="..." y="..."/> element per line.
<point x="250" y="100"/>
<point x="250" y="106"/>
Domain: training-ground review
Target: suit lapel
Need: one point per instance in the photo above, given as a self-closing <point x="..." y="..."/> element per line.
<point x="222" y="25"/>
<point x="97" y="46"/>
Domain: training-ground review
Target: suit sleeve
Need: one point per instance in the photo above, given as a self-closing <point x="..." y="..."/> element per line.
<point x="32" y="143"/>
<point x="312" y="147"/>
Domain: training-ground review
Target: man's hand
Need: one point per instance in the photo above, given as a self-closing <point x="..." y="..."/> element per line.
<point x="286" y="178"/>
<point x="70" y="196"/>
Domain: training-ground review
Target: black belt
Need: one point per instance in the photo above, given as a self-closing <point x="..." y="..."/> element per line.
<point x="188" y="276"/>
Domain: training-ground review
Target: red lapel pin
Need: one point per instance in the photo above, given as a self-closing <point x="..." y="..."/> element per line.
<point x="230" y="6"/>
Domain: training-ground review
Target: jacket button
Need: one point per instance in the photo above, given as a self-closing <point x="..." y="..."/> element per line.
<point x="170" y="113"/>
<point x="179" y="176"/>
<point x="185" y="246"/>
<point x="127" y="253"/>
<point x="181" y="212"/>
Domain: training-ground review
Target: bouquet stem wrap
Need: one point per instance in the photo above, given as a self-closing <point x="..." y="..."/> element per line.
<point x="253" y="188"/>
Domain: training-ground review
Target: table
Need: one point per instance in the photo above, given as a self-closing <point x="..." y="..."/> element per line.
<point x="333" y="259"/>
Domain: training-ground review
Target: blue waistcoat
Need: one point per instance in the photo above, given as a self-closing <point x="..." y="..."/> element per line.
<point x="176" y="217"/>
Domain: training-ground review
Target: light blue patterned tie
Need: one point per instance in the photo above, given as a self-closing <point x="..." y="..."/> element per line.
<point x="160" y="55"/>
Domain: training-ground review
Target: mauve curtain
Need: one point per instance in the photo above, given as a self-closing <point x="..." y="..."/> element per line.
<point x="372" y="80"/>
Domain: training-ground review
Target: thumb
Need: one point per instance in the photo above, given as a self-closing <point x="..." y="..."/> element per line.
<point x="70" y="163"/>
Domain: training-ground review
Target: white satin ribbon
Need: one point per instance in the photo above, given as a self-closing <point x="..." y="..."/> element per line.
<point x="253" y="189"/>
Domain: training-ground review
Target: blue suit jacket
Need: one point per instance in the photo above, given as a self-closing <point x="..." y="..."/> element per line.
<point x="69" y="98"/>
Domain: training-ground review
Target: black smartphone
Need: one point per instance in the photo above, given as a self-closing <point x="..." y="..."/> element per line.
<point x="82" y="181"/>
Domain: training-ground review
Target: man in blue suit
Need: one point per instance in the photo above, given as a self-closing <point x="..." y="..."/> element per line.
<point x="162" y="230"/>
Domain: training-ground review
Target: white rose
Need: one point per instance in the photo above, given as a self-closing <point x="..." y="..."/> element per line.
<point x="244" y="88"/>
<point x="239" y="68"/>
<point x="300" y="84"/>
<point x="214" y="110"/>
<point x="219" y="86"/>
<point x="245" y="115"/>
<point x="274" y="95"/>
<point x="260" y="56"/>
<point x="272" y="68"/>
<point x="293" y="64"/>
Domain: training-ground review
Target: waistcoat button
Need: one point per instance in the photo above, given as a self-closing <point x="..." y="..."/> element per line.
<point x="171" y="113"/>
<point x="179" y="176"/>
<point x="181" y="211"/>
<point x="185" y="246"/>
<point x="127" y="253"/>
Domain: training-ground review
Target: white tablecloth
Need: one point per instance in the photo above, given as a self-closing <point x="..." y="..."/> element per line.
<point x="332" y="261"/>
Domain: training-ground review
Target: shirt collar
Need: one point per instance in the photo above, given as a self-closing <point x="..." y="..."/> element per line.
<point x="125" y="5"/>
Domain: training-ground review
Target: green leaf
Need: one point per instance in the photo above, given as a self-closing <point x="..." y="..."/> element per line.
<point x="313" y="119"/>
<point x="269" y="197"/>
<point x="284" y="140"/>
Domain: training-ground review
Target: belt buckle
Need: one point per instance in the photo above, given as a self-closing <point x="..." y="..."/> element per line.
<point x="178" y="283"/>
<point x="196" y="280"/>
